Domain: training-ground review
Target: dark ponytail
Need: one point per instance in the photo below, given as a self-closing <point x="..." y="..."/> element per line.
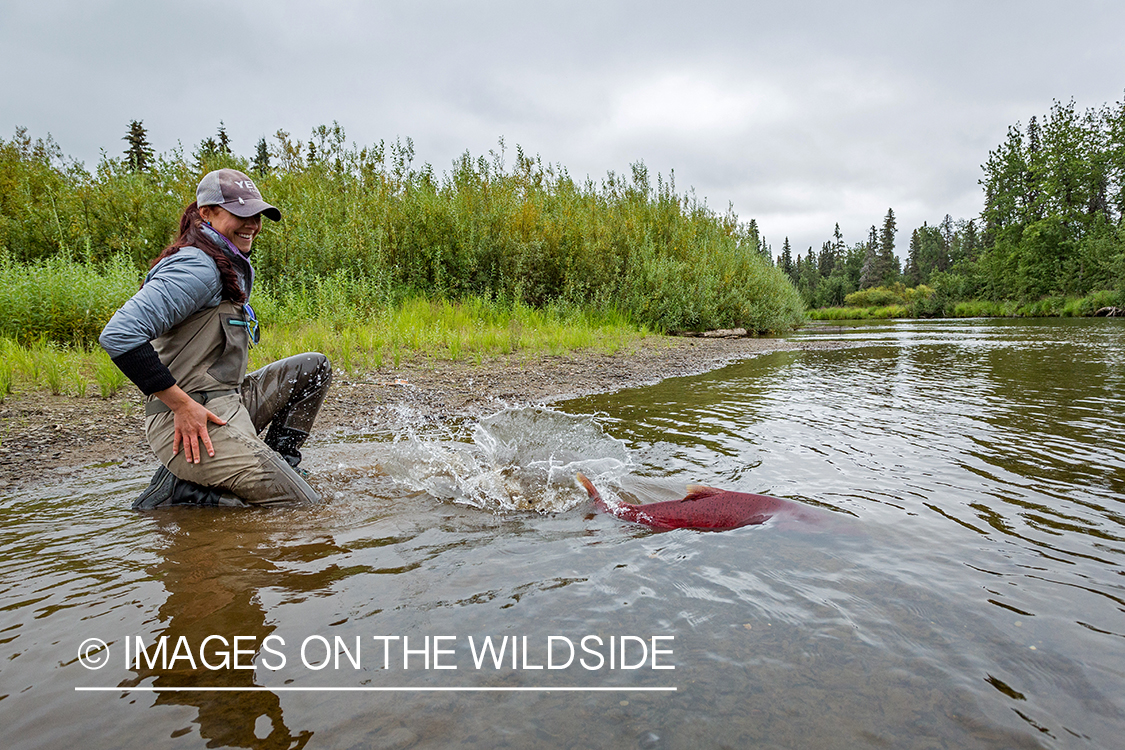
<point x="192" y="235"/>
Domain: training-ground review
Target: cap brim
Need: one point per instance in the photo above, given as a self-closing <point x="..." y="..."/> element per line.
<point x="252" y="207"/>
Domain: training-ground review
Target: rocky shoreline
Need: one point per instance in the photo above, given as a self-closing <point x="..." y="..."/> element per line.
<point x="43" y="436"/>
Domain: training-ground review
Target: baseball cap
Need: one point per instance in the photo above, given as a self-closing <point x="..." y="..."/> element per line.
<point x="235" y="192"/>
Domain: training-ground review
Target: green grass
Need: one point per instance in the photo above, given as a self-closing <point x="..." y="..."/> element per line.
<point x="1048" y="307"/>
<point x="43" y="365"/>
<point x="859" y="313"/>
<point x="475" y="331"/>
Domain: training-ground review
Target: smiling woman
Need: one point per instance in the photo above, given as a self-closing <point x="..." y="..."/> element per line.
<point x="184" y="339"/>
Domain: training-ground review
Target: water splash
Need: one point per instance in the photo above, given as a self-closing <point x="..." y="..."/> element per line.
<point x="519" y="459"/>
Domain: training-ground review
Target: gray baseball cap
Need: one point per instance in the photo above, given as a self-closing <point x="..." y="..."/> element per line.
<point x="235" y="192"/>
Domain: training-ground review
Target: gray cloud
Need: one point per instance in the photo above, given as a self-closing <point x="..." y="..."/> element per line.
<point x="801" y="114"/>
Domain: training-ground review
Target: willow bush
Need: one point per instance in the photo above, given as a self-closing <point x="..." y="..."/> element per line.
<point x="363" y="228"/>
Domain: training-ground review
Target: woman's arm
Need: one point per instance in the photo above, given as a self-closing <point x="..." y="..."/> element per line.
<point x="179" y="286"/>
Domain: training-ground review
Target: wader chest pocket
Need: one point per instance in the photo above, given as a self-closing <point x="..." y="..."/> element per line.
<point x="230" y="365"/>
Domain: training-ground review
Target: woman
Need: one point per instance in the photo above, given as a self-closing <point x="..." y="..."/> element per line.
<point x="184" y="339"/>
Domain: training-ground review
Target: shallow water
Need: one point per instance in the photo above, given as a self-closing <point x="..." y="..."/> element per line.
<point x="963" y="590"/>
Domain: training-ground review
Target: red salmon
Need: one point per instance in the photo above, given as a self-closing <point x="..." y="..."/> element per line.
<point x="704" y="508"/>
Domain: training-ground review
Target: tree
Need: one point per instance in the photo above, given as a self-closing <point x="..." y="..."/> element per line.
<point x="826" y="261"/>
<point x="1033" y="210"/>
<point x="205" y="153"/>
<point x="1005" y="181"/>
<point x="138" y="156"/>
<point x="223" y="140"/>
<point x="785" y="261"/>
<point x="912" y="276"/>
<point x="870" y="275"/>
<point x="889" y="269"/>
<point x="262" y="158"/>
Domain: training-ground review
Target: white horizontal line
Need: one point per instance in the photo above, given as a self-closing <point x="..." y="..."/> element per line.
<point x="260" y="689"/>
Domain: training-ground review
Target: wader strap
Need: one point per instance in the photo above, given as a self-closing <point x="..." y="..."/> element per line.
<point x="156" y="406"/>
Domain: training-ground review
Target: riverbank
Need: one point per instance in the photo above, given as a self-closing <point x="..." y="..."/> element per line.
<point x="43" y="436"/>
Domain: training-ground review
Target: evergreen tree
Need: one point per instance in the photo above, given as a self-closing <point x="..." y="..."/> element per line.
<point x="205" y="153"/>
<point x="888" y="269"/>
<point x="138" y="156"/>
<point x="808" y="277"/>
<point x="765" y="250"/>
<point x="969" y="246"/>
<point x="223" y="140"/>
<point x="913" y="275"/>
<point x="785" y="261"/>
<point x="946" y="229"/>
<point x="871" y="273"/>
<point x="826" y="261"/>
<point x="261" y="164"/>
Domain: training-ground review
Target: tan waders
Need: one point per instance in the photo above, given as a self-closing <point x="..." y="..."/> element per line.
<point x="285" y="395"/>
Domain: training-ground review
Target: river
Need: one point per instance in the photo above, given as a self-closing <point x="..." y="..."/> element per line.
<point x="962" y="587"/>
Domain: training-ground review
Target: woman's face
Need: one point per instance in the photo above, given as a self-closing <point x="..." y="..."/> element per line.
<point x="241" y="232"/>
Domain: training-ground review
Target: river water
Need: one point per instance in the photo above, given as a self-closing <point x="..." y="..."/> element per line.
<point x="963" y="586"/>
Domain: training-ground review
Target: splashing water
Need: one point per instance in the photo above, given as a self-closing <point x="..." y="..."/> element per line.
<point x="518" y="459"/>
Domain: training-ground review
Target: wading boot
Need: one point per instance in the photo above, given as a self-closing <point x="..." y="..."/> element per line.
<point x="166" y="490"/>
<point x="286" y="441"/>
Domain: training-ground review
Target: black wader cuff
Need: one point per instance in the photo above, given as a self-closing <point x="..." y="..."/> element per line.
<point x="143" y="367"/>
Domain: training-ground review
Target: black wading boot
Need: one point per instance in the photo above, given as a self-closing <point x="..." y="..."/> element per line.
<point x="287" y="441"/>
<point x="166" y="490"/>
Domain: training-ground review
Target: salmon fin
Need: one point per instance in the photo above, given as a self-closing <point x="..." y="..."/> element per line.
<point x="696" y="491"/>
<point x="592" y="491"/>
<point x="587" y="484"/>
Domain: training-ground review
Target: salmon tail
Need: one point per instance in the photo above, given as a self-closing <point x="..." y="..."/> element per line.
<point x="593" y="491"/>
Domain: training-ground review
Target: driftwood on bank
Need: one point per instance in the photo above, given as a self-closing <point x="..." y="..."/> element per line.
<point x="721" y="333"/>
<point x="1110" y="312"/>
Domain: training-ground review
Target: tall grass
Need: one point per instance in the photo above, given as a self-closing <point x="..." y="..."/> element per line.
<point x="365" y="227"/>
<point x="859" y="313"/>
<point x="475" y="329"/>
<point x="41" y="364"/>
<point x="933" y="306"/>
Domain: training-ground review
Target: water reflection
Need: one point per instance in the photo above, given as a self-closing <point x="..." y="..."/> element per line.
<point x="215" y="566"/>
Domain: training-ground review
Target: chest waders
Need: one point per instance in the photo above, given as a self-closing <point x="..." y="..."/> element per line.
<point x="207" y="354"/>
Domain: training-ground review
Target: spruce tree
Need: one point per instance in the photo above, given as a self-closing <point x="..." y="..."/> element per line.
<point x="261" y="164"/>
<point x="870" y="275"/>
<point x="139" y="154"/>
<point x="785" y="261"/>
<point x="889" y="269"/>
<point x="205" y="153"/>
<point x="223" y="140"/>
<point x="947" y="233"/>
<point x="913" y="273"/>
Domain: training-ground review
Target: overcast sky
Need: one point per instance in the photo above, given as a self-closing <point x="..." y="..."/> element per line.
<point x="801" y="114"/>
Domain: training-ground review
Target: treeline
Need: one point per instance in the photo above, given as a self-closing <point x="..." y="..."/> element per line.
<point x="1052" y="228"/>
<point x="525" y="234"/>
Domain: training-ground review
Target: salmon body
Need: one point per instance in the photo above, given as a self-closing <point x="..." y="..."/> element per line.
<point x="704" y="508"/>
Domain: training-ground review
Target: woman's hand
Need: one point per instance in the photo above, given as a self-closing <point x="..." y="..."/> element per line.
<point x="190" y="418"/>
